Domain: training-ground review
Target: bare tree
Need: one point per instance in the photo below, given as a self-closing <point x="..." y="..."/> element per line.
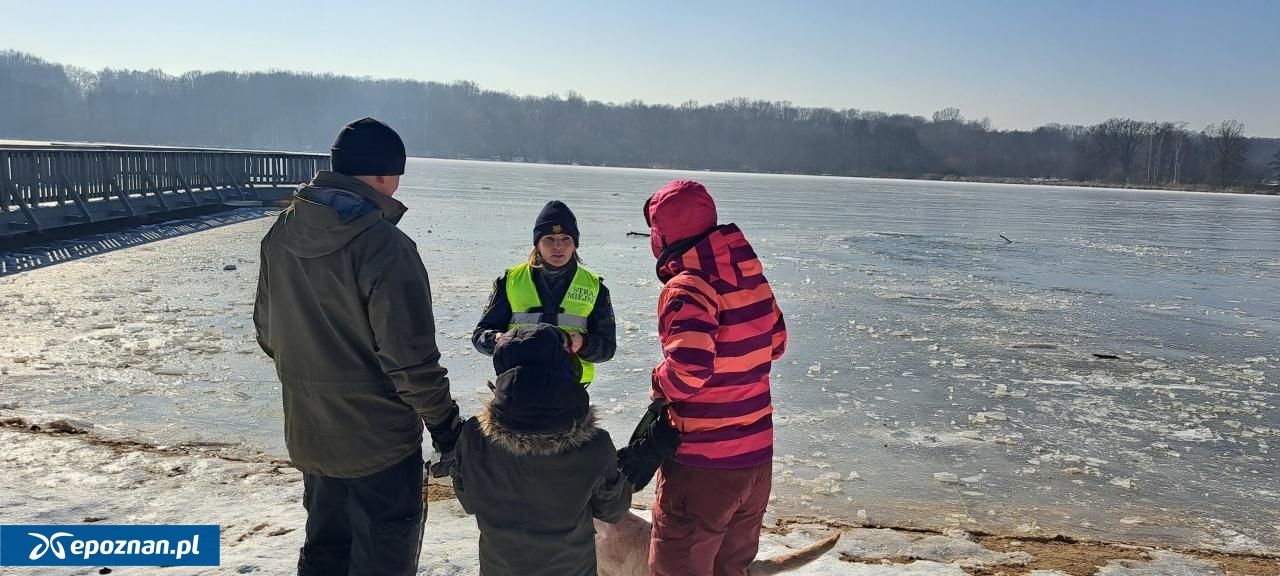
<point x="1229" y="150"/>
<point x="1181" y="139"/>
<point x="1274" y="163"/>
<point x="1165" y="151"/>
<point x="951" y="114"/>
<point x="1115" y="142"/>
<point x="1156" y="136"/>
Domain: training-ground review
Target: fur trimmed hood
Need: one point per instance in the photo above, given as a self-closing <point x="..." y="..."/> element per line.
<point x="537" y="443"/>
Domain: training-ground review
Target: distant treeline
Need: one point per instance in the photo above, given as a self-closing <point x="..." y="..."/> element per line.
<point x="40" y="100"/>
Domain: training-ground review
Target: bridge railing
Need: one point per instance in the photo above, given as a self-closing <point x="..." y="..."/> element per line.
<point x="42" y="176"/>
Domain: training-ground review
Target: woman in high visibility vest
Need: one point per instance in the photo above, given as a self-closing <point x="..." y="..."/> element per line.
<point x="553" y="287"/>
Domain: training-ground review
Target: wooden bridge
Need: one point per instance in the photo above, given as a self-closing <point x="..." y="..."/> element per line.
<point x="47" y="187"/>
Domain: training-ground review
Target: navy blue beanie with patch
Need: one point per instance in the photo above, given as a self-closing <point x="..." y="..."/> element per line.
<point x="555" y="218"/>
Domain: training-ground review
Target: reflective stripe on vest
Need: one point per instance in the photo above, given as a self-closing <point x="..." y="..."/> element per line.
<point x="577" y="304"/>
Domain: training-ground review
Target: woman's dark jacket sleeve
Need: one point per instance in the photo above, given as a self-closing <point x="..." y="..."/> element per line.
<point x="497" y="316"/>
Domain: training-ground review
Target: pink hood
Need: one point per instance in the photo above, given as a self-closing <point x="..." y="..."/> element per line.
<point x="682" y="209"/>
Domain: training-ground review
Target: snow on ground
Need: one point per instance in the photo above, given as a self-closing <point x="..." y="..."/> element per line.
<point x="63" y="478"/>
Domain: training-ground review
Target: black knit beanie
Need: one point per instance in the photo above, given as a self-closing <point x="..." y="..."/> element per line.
<point x="368" y="147"/>
<point x="555" y="218"/>
<point x="536" y="390"/>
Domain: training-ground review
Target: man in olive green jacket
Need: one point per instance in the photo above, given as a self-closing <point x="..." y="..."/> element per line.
<point x="344" y="309"/>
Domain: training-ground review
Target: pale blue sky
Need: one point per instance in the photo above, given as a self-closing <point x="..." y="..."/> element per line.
<point x="1021" y="63"/>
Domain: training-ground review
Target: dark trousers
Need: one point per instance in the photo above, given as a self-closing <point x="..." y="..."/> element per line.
<point x="707" y="521"/>
<point x="370" y="525"/>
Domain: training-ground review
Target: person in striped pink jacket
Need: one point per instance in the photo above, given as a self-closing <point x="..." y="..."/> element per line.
<point x="721" y="330"/>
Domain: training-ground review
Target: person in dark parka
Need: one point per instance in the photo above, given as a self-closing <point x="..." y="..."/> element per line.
<point x="343" y="308"/>
<point x="533" y="467"/>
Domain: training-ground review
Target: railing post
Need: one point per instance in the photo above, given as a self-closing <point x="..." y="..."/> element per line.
<point x="5" y="177"/>
<point x="79" y="199"/>
<point x="211" y="184"/>
<point x="183" y="182"/>
<point x="32" y="219"/>
<point x="124" y="198"/>
<point x="155" y="191"/>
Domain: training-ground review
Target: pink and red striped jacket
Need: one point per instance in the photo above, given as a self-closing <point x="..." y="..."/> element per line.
<point x="721" y="330"/>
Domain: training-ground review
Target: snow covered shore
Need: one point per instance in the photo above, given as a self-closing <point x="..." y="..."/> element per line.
<point x="61" y="475"/>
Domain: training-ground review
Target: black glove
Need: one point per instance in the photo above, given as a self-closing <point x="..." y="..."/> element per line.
<point x="445" y="434"/>
<point x="640" y="460"/>
<point x="443" y="467"/>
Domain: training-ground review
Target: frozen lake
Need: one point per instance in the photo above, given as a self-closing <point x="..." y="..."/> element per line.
<point x="1111" y="373"/>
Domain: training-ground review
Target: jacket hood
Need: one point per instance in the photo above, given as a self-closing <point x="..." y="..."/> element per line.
<point x="678" y="211"/>
<point x="523" y="443"/>
<point x="330" y="211"/>
<point x="538" y="400"/>
<point x="723" y="255"/>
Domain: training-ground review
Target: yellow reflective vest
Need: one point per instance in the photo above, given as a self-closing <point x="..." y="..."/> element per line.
<point x="572" y="313"/>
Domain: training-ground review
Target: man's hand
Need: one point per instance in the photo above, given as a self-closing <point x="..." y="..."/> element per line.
<point x="445" y="435"/>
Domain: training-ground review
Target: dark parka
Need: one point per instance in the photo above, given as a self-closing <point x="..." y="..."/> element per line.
<point x="344" y="309"/>
<point x="535" y="469"/>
